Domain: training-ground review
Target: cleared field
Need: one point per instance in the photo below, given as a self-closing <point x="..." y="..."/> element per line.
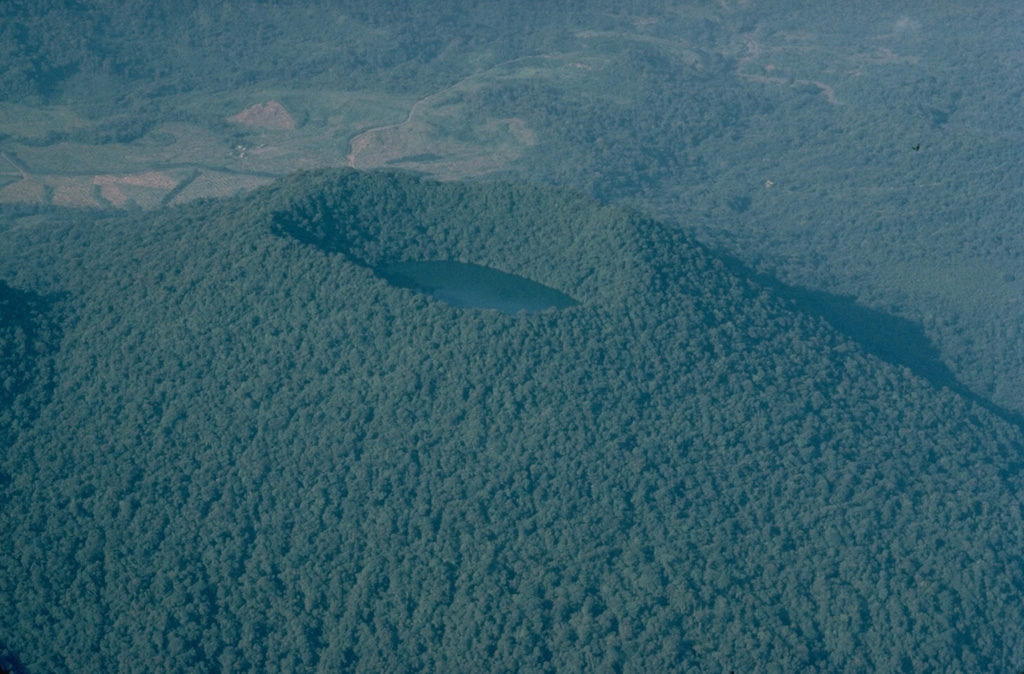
<point x="436" y="135"/>
<point x="213" y="184"/>
<point x="29" y="190"/>
<point x="256" y="139"/>
<point x="8" y="179"/>
<point x="32" y="122"/>
<point x="81" y="159"/>
<point x="146" y="190"/>
<point x="72" y="192"/>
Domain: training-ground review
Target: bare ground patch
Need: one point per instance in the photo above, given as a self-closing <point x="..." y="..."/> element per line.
<point x="116" y="189"/>
<point x="28" y="190"/>
<point x="271" y="115"/>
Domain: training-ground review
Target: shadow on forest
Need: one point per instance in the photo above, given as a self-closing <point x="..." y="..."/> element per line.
<point x="9" y="663"/>
<point x="324" y="235"/>
<point x="28" y="334"/>
<point x="458" y="284"/>
<point x="890" y="338"/>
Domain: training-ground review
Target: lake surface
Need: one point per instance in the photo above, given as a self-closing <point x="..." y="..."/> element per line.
<point x="471" y="286"/>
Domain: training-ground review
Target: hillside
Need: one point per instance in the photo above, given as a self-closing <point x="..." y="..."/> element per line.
<point x="871" y="151"/>
<point x="255" y="453"/>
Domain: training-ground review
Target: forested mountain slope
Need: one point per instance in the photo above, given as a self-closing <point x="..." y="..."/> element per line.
<point x="259" y="454"/>
<point x="873" y="151"/>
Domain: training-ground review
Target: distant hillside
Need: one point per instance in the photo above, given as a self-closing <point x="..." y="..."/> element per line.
<point x="260" y="455"/>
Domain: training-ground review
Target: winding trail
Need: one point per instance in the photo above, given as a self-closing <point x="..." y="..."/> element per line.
<point x="362" y="140"/>
<point x="19" y="169"/>
<point x="754" y="50"/>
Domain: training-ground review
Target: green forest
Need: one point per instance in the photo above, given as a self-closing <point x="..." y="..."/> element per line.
<point x="862" y="152"/>
<point x="732" y="379"/>
<point x="237" y="447"/>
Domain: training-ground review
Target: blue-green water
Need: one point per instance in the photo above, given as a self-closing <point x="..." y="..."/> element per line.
<point x="471" y="286"/>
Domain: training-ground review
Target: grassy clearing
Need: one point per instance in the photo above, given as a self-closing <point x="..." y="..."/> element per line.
<point x="34" y="123"/>
<point x="444" y="134"/>
<point x="23" y="191"/>
<point x="213" y="184"/>
<point x="68" y="159"/>
<point x="224" y="157"/>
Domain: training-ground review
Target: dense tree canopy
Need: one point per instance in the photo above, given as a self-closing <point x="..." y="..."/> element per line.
<point x="259" y="454"/>
<point x="892" y="134"/>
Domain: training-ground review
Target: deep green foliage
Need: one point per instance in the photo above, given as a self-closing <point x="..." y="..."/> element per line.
<point x="27" y="338"/>
<point x="684" y="109"/>
<point x="261" y="455"/>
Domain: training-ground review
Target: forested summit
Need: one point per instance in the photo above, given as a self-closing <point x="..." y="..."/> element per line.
<point x="553" y="236"/>
<point x="259" y="453"/>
